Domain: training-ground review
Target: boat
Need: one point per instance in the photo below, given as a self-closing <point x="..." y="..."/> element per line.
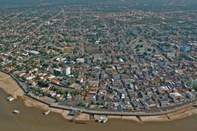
<point x="10" y="98"/>
<point x="102" y="119"/>
<point x="105" y="120"/>
<point x="16" y="111"/>
<point x="47" y="112"/>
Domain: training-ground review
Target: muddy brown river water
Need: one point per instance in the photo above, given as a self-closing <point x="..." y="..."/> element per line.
<point x="32" y="119"/>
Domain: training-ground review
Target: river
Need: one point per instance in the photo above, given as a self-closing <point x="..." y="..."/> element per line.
<point x="32" y="119"/>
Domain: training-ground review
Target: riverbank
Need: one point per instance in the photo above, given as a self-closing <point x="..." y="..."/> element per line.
<point x="54" y="121"/>
<point x="11" y="87"/>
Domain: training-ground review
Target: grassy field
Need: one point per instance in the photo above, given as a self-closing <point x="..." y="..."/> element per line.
<point x="68" y="50"/>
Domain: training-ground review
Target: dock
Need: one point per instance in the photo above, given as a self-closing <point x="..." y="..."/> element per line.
<point x="82" y="118"/>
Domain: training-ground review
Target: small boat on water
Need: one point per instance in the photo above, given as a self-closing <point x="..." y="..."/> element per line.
<point x="10" y="98"/>
<point x="47" y="112"/>
<point x="16" y="111"/>
<point x="102" y="119"/>
<point x="105" y="120"/>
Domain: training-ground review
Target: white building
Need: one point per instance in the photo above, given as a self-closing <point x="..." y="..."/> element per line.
<point x="33" y="52"/>
<point x="68" y="70"/>
<point x="80" y="60"/>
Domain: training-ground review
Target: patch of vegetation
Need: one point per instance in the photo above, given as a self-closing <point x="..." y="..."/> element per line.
<point x="68" y="50"/>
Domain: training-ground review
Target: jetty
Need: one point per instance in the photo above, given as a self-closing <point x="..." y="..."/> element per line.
<point x="82" y="118"/>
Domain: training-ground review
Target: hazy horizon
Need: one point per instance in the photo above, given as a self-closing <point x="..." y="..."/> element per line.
<point x="110" y="5"/>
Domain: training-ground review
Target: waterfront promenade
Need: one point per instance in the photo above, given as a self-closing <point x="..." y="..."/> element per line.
<point x="148" y="112"/>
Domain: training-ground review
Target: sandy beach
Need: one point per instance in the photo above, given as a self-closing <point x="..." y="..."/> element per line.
<point x="182" y="113"/>
<point x="161" y="118"/>
<point x="11" y="87"/>
<point x="131" y="118"/>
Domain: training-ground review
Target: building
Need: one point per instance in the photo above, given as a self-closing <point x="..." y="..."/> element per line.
<point x="185" y="48"/>
<point x="68" y="70"/>
<point x="80" y="60"/>
<point x="57" y="72"/>
<point x="33" y="52"/>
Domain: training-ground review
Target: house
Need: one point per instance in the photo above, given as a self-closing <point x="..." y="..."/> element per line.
<point x="9" y="68"/>
<point x="185" y="48"/>
<point x="80" y="60"/>
<point x="175" y="96"/>
<point x="57" y="72"/>
<point x="54" y="81"/>
<point x="93" y="91"/>
<point x="68" y="70"/>
<point x="162" y="89"/>
<point x="33" y="52"/>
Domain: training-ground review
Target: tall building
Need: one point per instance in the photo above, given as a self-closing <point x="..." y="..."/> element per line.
<point x="68" y="70"/>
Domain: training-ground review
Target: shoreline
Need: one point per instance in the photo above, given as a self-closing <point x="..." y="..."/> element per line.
<point x="10" y="86"/>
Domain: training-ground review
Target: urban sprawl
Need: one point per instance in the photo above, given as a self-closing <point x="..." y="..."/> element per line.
<point x="87" y="58"/>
